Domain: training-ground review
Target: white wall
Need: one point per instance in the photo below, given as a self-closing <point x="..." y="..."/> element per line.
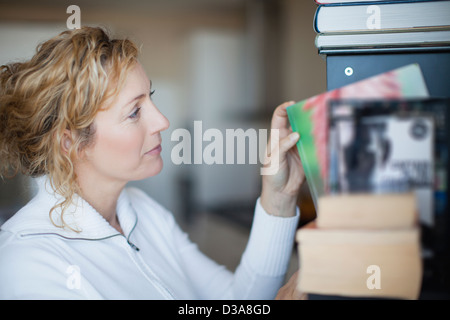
<point x="19" y="42"/>
<point x="219" y="98"/>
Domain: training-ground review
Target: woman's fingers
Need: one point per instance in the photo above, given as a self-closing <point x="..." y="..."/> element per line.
<point x="290" y="290"/>
<point x="288" y="142"/>
<point x="280" y="146"/>
<point x="280" y="118"/>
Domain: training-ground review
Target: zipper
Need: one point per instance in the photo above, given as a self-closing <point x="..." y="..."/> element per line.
<point x="153" y="278"/>
<point x="166" y="292"/>
<point x="132" y="245"/>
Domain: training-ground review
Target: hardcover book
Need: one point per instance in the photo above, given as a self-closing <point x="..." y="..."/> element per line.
<point x="309" y="117"/>
<point x="382" y="40"/>
<point x="361" y="1"/>
<point x="382" y="16"/>
<point x="368" y="211"/>
<point x="359" y="263"/>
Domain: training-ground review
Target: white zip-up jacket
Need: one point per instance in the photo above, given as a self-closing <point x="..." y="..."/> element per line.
<point x="152" y="259"/>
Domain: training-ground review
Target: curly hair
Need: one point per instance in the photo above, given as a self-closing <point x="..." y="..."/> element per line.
<point x="60" y="89"/>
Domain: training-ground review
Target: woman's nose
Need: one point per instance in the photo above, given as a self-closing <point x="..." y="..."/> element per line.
<point x="157" y="121"/>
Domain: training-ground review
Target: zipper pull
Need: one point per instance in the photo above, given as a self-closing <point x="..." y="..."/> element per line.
<point x="133" y="246"/>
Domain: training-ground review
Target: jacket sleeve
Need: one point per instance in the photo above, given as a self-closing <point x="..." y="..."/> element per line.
<point x="263" y="265"/>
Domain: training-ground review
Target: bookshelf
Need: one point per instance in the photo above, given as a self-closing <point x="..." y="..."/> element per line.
<point x="415" y="24"/>
<point x="355" y="52"/>
<point x="346" y="66"/>
<point x="434" y="62"/>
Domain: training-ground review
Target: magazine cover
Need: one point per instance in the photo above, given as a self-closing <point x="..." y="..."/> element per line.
<point x="309" y="117"/>
<point x="390" y="146"/>
<point x="383" y="154"/>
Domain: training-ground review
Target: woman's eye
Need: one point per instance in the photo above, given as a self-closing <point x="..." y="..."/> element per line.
<point x="135" y="113"/>
<point x="151" y="93"/>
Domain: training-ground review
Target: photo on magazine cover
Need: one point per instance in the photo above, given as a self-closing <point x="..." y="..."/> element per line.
<point x="396" y="145"/>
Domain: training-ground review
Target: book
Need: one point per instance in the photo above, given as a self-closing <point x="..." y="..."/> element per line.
<point x="368" y="17"/>
<point x="368" y="211"/>
<point x="397" y="145"/>
<point x="360" y="1"/>
<point x="309" y="117"/>
<point x="383" y="40"/>
<point x="382" y="263"/>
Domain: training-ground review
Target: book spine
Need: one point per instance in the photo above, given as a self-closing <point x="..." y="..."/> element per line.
<point x="384" y="40"/>
<point x="316" y="29"/>
<point x="321" y="7"/>
<point x="386" y="50"/>
<point x="368" y="2"/>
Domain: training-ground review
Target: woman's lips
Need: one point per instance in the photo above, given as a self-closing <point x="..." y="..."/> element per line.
<point x="156" y="150"/>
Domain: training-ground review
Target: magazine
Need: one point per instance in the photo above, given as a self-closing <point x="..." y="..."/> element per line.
<point x="309" y="117"/>
<point x="389" y="146"/>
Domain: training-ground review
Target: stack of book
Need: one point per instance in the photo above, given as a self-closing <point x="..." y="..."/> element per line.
<point x="377" y="25"/>
<point x="363" y="147"/>
<point x="362" y="246"/>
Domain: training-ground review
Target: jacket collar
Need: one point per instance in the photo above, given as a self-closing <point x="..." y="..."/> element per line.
<point x="84" y="221"/>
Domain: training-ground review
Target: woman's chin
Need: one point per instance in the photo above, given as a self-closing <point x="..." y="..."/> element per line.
<point x="154" y="169"/>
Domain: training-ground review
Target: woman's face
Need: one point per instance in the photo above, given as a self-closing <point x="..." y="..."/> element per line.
<point x="127" y="139"/>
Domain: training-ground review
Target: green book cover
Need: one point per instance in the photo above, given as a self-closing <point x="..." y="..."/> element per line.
<point x="309" y="117"/>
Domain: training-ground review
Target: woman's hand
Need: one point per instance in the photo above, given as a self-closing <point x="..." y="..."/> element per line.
<point x="290" y="290"/>
<point x="280" y="187"/>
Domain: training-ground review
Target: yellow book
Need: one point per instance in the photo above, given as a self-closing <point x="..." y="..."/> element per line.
<point x="382" y="263"/>
<point x="364" y="210"/>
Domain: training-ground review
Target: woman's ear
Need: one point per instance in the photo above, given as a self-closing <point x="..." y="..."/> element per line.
<point x="66" y="141"/>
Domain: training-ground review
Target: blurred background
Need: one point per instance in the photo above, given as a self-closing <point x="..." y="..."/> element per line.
<point x="228" y="63"/>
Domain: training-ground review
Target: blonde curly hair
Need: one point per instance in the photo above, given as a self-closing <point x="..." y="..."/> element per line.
<point x="60" y="89"/>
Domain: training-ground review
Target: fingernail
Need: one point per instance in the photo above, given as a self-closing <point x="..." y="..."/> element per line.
<point x="294" y="136"/>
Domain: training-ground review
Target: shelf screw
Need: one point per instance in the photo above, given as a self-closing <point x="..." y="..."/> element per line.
<point x="348" y="71"/>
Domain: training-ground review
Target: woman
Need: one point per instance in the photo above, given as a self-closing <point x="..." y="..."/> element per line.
<point x="79" y="114"/>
